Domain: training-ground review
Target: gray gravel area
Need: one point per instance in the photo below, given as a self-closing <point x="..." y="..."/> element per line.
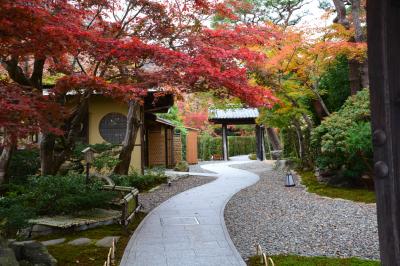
<point x="292" y="221"/>
<point x="150" y="200"/>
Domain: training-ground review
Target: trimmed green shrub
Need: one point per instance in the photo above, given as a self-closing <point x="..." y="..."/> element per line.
<point x="253" y="156"/>
<point x="141" y="182"/>
<point x="238" y="145"/>
<point x="50" y="195"/>
<point x="23" y="164"/>
<point x="14" y="214"/>
<point x="182" y="166"/>
<point x="343" y="140"/>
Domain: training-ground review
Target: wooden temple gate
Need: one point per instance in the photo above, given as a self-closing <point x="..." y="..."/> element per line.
<point x="240" y="116"/>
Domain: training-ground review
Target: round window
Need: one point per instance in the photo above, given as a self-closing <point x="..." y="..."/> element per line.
<point x="113" y="127"/>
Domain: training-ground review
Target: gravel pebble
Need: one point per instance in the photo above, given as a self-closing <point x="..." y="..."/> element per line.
<point x="292" y="221"/>
<point x="150" y="200"/>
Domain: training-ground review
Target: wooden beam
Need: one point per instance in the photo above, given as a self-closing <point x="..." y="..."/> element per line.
<point x="225" y="142"/>
<point x="384" y="71"/>
<point x="260" y="149"/>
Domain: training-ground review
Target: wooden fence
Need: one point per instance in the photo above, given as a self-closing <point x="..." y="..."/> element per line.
<point x="264" y="259"/>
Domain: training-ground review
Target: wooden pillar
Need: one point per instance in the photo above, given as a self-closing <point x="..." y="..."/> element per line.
<point x="260" y="149"/>
<point x="225" y="142"/>
<point x="142" y="141"/>
<point x="166" y="146"/>
<point x="384" y="72"/>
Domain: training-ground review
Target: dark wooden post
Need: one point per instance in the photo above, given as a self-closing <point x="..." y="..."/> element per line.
<point x="225" y="142"/>
<point x="384" y="71"/>
<point x="260" y="149"/>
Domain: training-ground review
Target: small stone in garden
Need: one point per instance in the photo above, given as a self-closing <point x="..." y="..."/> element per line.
<point x="53" y="242"/>
<point x="154" y="189"/>
<point x="106" y="241"/>
<point x="80" y="241"/>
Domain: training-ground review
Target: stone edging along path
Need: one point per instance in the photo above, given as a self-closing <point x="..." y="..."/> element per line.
<point x="189" y="228"/>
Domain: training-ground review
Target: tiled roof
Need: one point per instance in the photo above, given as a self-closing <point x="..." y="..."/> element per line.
<point x="164" y="121"/>
<point x="240" y="113"/>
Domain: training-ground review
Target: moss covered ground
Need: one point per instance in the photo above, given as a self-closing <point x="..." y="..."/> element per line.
<point x="91" y="255"/>
<point x="355" y="194"/>
<point x="291" y="260"/>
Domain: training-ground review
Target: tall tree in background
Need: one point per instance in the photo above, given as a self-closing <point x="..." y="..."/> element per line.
<point x="120" y="49"/>
<point x="358" y="70"/>
<point x="280" y="12"/>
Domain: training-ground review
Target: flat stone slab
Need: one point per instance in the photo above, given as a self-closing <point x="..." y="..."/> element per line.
<point x="189" y="228"/>
<point x="53" y="242"/>
<point x="83" y="218"/>
<point x="80" y="241"/>
<point x="107" y="241"/>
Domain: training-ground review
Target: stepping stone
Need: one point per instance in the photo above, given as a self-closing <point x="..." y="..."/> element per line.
<point x="53" y="242"/>
<point x="107" y="241"/>
<point x="80" y="241"/>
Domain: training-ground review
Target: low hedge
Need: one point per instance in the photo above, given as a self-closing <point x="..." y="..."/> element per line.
<point x="50" y="195"/>
<point x="141" y="182"/>
<point x="237" y="145"/>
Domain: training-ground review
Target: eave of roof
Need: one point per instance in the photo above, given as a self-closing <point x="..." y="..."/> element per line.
<point x="239" y="113"/>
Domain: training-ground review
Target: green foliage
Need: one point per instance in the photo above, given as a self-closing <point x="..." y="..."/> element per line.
<point x="253" y="156"/>
<point x="105" y="161"/>
<point x="91" y="255"/>
<point x="309" y="180"/>
<point x="23" y="164"/>
<point x="343" y="140"/>
<point x="141" y="182"/>
<point x="335" y="82"/>
<point x="182" y="166"/>
<point x="105" y="157"/>
<point x="14" y="213"/>
<point x="173" y="116"/>
<point x="238" y="145"/>
<point x="50" y="195"/>
<point x="289" y="260"/>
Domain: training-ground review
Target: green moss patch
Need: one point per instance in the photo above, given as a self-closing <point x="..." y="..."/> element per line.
<point x="360" y="195"/>
<point x="91" y="255"/>
<point x="286" y="260"/>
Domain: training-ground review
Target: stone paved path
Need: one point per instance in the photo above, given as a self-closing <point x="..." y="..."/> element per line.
<point x="189" y="229"/>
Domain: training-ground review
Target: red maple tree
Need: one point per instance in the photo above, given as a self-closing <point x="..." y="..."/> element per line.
<point x="120" y="49"/>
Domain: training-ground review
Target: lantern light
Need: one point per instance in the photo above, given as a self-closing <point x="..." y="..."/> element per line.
<point x="88" y="154"/>
<point x="289" y="181"/>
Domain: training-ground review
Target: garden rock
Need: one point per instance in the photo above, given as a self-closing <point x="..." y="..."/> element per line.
<point x="80" y="241"/>
<point x="107" y="241"/>
<point x="276" y="155"/>
<point x="53" y="242"/>
<point x="7" y="256"/>
<point x="33" y="252"/>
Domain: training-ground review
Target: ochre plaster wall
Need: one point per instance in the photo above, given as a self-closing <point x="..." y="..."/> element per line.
<point x="98" y="108"/>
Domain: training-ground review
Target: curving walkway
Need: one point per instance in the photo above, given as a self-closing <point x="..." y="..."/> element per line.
<point x="189" y="229"/>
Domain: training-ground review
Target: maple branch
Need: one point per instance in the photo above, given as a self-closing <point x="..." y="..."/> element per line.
<point x="94" y="17"/>
<point x="15" y="72"/>
<point x="80" y="65"/>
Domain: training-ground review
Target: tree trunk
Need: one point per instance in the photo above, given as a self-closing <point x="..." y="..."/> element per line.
<point x="341" y="13"/>
<point x="364" y="74"/>
<point x="300" y="138"/>
<point x="319" y="98"/>
<point x="52" y="159"/>
<point x="47" y="154"/>
<point x="4" y="162"/>
<point x="132" y="129"/>
<point x="274" y="138"/>
<point x="354" y="76"/>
